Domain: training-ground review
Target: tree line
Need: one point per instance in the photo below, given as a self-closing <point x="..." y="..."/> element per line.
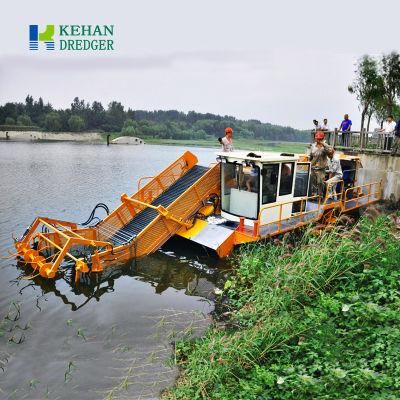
<point x="377" y="87"/>
<point x="170" y="124"/>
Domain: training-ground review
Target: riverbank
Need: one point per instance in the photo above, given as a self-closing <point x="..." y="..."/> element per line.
<point x="240" y="144"/>
<point x="101" y="138"/>
<point x="37" y="136"/>
<point x="313" y="318"/>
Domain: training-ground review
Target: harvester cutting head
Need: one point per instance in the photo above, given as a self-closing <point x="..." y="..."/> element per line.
<point x="48" y="242"/>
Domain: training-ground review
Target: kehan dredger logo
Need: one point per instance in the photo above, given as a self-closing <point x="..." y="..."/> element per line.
<point x="46" y="36"/>
<point x="72" y="37"/>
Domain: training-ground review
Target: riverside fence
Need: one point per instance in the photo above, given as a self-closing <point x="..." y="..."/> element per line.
<point x="374" y="142"/>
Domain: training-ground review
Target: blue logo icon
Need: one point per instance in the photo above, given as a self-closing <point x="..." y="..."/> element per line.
<point x="46" y="36"/>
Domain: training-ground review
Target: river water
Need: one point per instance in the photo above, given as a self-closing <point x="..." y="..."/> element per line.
<point x="109" y="339"/>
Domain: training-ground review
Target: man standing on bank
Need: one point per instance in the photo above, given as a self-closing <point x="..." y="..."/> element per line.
<point x="345" y="128"/>
<point x="319" y="154"/>
<point x="396" y="144"/>
<point x="387" y="131"/>
<point x="325" y="126"/>
<point x="226" y="142"/>
<point x="316" y="124"/>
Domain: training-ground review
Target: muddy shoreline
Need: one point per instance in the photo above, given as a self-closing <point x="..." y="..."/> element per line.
<point x="38" y="136"/>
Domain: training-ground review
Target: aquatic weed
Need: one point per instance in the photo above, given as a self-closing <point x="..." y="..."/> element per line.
<point x="315" y="321"/>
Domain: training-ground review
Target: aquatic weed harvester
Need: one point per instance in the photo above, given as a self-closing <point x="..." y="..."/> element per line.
<point x="243" y="198"/>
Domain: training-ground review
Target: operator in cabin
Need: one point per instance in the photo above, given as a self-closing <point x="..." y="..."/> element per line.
<point x="319" y="154"/>
<point x="252" y="179"/>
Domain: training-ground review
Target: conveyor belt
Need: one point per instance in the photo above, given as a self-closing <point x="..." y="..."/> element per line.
<point x="145" y="217"/>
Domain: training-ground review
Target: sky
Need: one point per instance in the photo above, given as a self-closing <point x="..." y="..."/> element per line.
<point x="285" y="62"/>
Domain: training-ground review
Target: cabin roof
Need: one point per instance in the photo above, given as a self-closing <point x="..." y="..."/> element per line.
<point x="264" y="156"/>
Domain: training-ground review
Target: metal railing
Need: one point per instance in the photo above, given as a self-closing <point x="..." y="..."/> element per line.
<point x="344" y="200"/>
<point x="358" y="140"/>
<point x="284" y="224"/>
<point x="362" y="195"/>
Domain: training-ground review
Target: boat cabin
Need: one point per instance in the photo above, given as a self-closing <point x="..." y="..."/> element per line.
<point x="253" y="181"/>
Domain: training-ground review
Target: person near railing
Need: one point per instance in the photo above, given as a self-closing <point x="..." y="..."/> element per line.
<point x="345" y="128"/>
<point x="319" y="154"/>
<point x="396" y="143"/>
<point x="317" y="126"/>
<point x="335" y="174"/>
<point x="325" y="126"/>
<point x="388" y="132"/>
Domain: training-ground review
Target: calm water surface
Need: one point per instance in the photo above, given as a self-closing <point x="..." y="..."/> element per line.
<point x="109" y="338"/>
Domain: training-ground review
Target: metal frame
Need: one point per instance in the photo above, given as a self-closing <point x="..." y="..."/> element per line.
<point x="61" y="236"/>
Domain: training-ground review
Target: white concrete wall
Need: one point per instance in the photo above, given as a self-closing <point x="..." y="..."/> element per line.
<point x="381" y="167"/>
<point x="27" y="136"/>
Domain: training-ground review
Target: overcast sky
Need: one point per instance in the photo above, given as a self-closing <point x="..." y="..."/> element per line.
<point x="284" y="61"/>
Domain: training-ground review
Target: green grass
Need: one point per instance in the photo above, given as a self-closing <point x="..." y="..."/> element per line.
<point x="240" y="144"/>
<point x="318" y="321"/>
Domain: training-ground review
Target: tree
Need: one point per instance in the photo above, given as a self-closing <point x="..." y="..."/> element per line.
<point x="390" y="65"/>
<point x="367" y="86"/>
<point x="78" y="106"/>
<point x="9" y="110"/>
<point x="24" y="120"/>
<point x="76" y="123"/>
<point x="29" y="105"/>
<point x="10" y="121"/>
<point x="52" y="122"/>
<point x="115" y="116"/>
<point x="158" y="123"/>
<point x="96" y="116"/>
<point x="129" y="128"/>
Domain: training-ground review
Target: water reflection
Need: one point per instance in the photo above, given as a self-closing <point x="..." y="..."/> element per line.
<point x="176" y="266"/>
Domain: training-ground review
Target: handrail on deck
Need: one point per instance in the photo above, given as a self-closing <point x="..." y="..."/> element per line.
<point x="300" y="214"/>
<point x="377" y="194"/>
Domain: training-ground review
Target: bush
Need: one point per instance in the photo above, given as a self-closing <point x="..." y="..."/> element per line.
<point x="24" y="120"/>
<point x="20" y="128"/>
<point x="319" y="321"/>
<point x="52" y="122"/>
<point x="76" y="123"/>
<point x="10" y="121"/>
<point x="129" y="131"/>
<point x="129" y="128"/>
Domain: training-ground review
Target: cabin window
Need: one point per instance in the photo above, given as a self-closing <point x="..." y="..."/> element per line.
<point x="270" y="174"/>
<point x="286" y="184"/>
<point x="301" y="181"/>
<point x="240" y="189"/>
